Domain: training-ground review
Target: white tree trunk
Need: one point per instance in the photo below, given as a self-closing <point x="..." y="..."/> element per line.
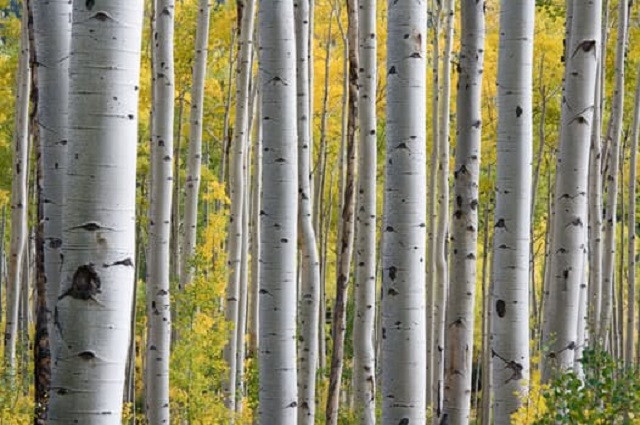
<point x="561" y="310"/>
<point x="96" y="291"/>
<point x="614" y="139"/>
<point x="241" y="324"/>
<point x="237" y="186"/>
<point x="403" y="249"/>
<point x="631" y="231"/>
<point x="510" y="297"/>
<point x="461" y="300"/>
<point x="279" y="213"/>
<point x="434" y="16"/>
<point x="52" y="24"/>
<point x="442" y="235"/>
<point x="19" y="198"/>
<point x="158" y="276"/>
<point x="365" y="276"/>
<point x="254" y="304"/>
<point x="594" y="193"/>
<point x="194" y="152"/>
<point x="309" y="297"/>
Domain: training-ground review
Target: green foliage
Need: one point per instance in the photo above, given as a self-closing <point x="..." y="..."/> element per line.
<point x="605" y="393"/>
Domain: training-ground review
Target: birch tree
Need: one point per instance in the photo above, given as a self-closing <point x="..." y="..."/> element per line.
<point x="279" y="214"/>
<point x="96" y="291"/>
<point x="366" y="224"/>
<point x="510" y="295"/>
<point x="461" y="300"/>
<point x="442" y="232"/>
<point x="19" y="198"/>
<point x="52" y="31"/>
<point x="158" y="260"/>
<point x="309" y="298"/>
<point x="347" y="207"/>
<point x="631" y="230"/>
<point x="246" y="10"/>
<point x="403" y="250"/>
<point x="561" y="309"/>
<point x="194" y="152"/>
<point x="614" y="136"/>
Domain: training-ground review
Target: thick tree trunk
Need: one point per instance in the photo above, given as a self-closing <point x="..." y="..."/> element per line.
<point x="194" y="153"/>
<point x="158" y="349"/>
<point x="614" y="137"/>
<point x="510" y="295"/>
<point x="19" y="199"/>
<point x="279" y="233"/>
<point x="345" y="244"/>
<point x="461" y="299"/>
<point x="309" y="297"/>
<point x="246" y="9"/>
<point x="94" y="305"/>
<point x="561" y="310"/>
<point x="442" y="234"/>
<point x="404" y="239"/>
<point x="366" y="224"/>
<point x="631" y="231"/>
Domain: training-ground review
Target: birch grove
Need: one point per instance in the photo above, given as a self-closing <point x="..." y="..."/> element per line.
<point x="190" y="237"/>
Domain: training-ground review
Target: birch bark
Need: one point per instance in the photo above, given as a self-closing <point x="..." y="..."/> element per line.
<point x="404" y="238"/>
<point x="278" y="216"/>
<point x="561" y="311"/>
<point x="158" y="299"/>
<point x="460" y="303"/>
<point x="92" y="316"/>
<point x="510" y="295"/>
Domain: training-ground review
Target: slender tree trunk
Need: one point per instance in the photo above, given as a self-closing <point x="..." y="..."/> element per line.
<point x="255" y="230"/>
<point x="3" y="229"/>
<point x="404" y="239"/>
<point x="99" y="229"/>
<point x="366" y="224"/>
<point x="158" y="299"/>
<point x="631" y="231"/>
<point x="570" y="233"/>
<point x="595" y="202"/>
<point x="345" y="246"/>
<point x="442" y="235"/>
<point x="510" y="295"/>
<point x="614" y="136"/>
<point x="175" y="207"/>
<point x="246" y="12"/>
<point x="19" y="199"/>
<point x="241" y="325"/>
<point x="431" y="200"/>
<point x="308" y="301"/>
<point x="487" y="370"/>
<point x="461" y="300"/>
<point x="279" y="233"/>
<point x="194" y="153"/>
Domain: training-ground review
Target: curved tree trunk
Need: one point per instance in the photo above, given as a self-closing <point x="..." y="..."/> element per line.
<point x="246" y="9"/>
<point x="345" y="240"/>
<point x="403" y="247"/>
<point x="19" y="199"/>
<point x="442" y="235"/>
<point x="365" y="282"/>
<point x="614" y="140"/>
<point x="309" y="298"/>
<point x="431" y="200"/>
<point x="278" y="217"/>
<point x="98" y="214"/>
<point x="194" y="152"/>
<point x="461" y="300"/>
<point x="561" y="311"/>
<point x="158" y="350"/>
<point x="510" y="295"/>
